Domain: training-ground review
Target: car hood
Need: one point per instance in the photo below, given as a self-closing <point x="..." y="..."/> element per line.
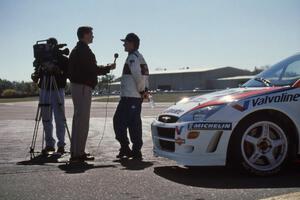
<point x="215" y="98"/>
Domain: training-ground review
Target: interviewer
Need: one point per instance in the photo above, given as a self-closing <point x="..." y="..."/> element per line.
<point x="83" y="71"/>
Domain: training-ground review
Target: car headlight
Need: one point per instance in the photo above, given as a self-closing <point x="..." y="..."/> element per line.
<point x="200" y="114"/>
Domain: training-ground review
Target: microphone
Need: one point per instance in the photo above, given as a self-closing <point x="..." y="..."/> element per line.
<point x="116" y="55"/>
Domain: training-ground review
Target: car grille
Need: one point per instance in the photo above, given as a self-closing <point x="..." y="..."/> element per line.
<point x="167" y="145"/>
<point x="166" y="132"/>
<point x="167" y="119"/>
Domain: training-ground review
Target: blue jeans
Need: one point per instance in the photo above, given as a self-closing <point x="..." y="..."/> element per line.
<point x="128" y="116"/>
<point x="50" y="105"/>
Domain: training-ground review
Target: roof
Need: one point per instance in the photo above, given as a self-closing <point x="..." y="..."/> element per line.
<point x="202" y="69"/>
<point x="236" y="78"/>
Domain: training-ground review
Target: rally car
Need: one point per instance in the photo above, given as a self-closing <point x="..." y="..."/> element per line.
<point x="255" y="127"/>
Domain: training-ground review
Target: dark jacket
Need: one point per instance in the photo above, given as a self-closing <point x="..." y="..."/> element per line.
<point x="60" y="75"/>
<point x="83" y="67"/>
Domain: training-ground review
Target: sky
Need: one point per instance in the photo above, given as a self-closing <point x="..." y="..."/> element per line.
<point x="173" y="33"/>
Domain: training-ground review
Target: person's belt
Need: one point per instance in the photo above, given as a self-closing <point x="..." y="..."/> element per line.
<point x="130" y="98"/>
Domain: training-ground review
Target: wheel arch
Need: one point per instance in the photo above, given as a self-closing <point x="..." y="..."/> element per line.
<point x="268" y="112"/>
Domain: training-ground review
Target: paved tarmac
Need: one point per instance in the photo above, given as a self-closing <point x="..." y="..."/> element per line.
<point x="108" y="178"/>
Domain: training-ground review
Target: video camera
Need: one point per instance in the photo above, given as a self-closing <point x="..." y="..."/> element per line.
<point x="46" y="54"/>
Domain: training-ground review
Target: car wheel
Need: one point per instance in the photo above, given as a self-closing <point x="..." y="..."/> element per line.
<point x="261" y="145"/>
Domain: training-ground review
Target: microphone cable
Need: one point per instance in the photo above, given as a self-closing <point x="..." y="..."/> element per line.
<point x="106" y="106"/>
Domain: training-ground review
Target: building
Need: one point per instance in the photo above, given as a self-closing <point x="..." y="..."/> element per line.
<point x="189" y="79"/>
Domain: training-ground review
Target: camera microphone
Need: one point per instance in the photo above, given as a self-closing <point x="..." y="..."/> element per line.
<point x="60" y="45"/>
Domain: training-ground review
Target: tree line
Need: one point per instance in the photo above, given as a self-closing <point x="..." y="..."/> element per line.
<point x="17" y="89"/>
<point x="9" y="89"/>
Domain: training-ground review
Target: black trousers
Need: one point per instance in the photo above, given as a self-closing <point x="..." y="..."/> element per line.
<point x="128" y="116"/>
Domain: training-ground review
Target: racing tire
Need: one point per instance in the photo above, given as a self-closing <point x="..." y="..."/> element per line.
<point x="261" y="145"/>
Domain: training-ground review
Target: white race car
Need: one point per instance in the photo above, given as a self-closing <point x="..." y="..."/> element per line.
<point x="255" y="127"/>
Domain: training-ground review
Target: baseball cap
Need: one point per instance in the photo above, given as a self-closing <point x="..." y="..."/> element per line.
<point x="131" y="37"/>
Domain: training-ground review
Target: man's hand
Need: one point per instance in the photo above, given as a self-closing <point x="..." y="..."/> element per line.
<point x="34" y="77"/>
<point x="145" y="95"/>
<point x="111" y="66"/>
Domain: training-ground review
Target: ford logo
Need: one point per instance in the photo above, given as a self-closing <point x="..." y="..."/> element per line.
<point x="166" y="118"/>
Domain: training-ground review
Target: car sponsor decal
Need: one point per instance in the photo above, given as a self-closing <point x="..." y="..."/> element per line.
<point x="210" y="126"/>
<point x="238" y="96"/>
<point x="270" y="91"/>
<point x="284" y="97"/>
<point x="242" y="108"/>
<point x="178" y="130"/>
<point x="179" y="141"/>
<point x="261" y="100"/>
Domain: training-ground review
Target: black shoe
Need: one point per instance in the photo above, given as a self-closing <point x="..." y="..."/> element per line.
<point x="137" y="155"/>
<point x="81" y="159"/>
<point x="47" y="150"/>
<point x="124" y="152"/>
<point x="87" y="156"/>
<point x="61" y="150"/>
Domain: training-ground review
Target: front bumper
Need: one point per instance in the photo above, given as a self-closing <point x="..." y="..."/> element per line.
<point x="170" y="140"/>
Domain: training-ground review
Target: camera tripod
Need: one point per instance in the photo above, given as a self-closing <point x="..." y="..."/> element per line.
<point x="48" y="81"/>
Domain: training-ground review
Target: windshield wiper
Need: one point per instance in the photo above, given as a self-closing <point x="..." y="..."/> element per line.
<point x="266" y="82"/>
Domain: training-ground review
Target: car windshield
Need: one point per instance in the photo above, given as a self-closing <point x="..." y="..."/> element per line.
<point x="284" y="73"/>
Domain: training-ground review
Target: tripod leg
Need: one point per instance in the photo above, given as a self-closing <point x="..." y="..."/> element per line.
<point x="43" y="139"/>
<point x="37" y="119"/>
<point x="35" y="131"/>
<point x="36" y="128"/>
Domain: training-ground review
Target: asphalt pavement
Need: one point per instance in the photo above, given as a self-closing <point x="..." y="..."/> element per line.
<point x="109" y="178"/>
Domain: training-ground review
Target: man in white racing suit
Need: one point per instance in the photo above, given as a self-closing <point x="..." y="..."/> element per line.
<point x="134" y="86"/>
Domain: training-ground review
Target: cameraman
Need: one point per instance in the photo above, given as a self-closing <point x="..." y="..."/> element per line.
<point x="52" y="100"/>
<point x="83" y="71"/>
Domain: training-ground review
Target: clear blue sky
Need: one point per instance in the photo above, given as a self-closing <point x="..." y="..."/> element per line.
<point x="174" y="33"/>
